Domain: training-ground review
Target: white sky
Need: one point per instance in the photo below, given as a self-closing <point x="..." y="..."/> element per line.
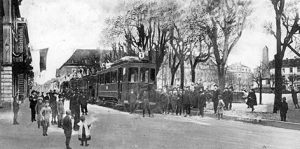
<point x="66" y="25"/>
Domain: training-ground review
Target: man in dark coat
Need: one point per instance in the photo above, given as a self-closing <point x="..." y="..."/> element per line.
<point x="67" y="126"/>
<point x="186" y="102"/>
<point x="215" y="100"/>
<point x="76" y="108"/>
<point x="226" y="98"/>
<point x="283" y="109"/>
<point x="179" y="102"/>
<point x="252" y="99"/>
<point x="33" y="102"/>
<point x="294" y="96"/>
<point x="83" y="104"/>
<point x="201" y="101"/>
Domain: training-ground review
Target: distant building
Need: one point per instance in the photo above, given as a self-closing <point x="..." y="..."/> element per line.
<point x="290" y="72"/>
<point x="239" y="76"/>
<point x="83" y="62"/>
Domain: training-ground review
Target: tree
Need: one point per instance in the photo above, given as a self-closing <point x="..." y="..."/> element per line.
<point x="224" y="25"/>
<point x="257" y="77"/>
<point x="291" y="27"/>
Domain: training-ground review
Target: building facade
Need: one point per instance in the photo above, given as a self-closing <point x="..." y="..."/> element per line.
<point x="290" y="72"/>
<point x="239" y="77"/>
<point x="15" y="57"/>
<point x="82" y="62"/>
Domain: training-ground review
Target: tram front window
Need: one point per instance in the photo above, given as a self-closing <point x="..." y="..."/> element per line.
<point x="133" y="74"/>
<point x="145" y="75"/>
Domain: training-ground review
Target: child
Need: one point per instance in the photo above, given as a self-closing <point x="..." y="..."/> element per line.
<point x="220" y="108"/>
<point x="84" y="131"/>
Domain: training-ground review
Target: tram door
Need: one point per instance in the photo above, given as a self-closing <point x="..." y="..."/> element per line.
<point x="120" y="79"/>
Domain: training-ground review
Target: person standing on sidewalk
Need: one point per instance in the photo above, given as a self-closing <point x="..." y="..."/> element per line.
<point x="84" y="131"/>
<point x="67" y="126"/>
<point x="252" y="99"/>
<point x="46" y="113"/>
<point x="230" y="97"/>
<point x="283" y="109"/>
<point x="60" y="111"/>
<point x="216" y="93"/>
<point x="16" y="107"/>
<point x="83" y="104"/>
<point x="38" y="108"/>
<point x="201" y="101"/>
<point x="294" y="96"/>
<point x="33" y="102"/>
<point x="220" y="107"/>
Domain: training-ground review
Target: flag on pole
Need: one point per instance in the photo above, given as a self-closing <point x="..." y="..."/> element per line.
<point x="43" y="59"/>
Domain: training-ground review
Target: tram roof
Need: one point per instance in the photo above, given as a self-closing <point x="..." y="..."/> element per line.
<point x="129" y="59"/>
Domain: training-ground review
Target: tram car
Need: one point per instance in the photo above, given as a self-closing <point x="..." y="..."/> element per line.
<point x="124" y="79"/>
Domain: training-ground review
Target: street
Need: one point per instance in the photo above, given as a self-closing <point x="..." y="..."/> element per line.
<point x="113" y="129"/>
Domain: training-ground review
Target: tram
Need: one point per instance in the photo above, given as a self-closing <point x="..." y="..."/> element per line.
<point x="125" y="77"/>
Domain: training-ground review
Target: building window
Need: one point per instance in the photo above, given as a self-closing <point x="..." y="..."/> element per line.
<point x="298" y="69"/>
<point x="291" y="69"/>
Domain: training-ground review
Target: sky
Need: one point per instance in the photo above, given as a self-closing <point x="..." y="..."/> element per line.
<point x="66" y="25"/>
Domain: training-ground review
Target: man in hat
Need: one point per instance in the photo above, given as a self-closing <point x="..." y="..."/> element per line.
<point x="67" y="126"/>
<point x="33" y="102"/>
<point x="201" y="101"/>
<point x="46" y="113"/>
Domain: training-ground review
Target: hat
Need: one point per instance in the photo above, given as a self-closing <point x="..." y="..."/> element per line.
<point x="68" y="112"/>
<point x="82" y="118"/>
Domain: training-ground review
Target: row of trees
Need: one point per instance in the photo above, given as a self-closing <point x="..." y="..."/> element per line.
<point x="188" y="31"/>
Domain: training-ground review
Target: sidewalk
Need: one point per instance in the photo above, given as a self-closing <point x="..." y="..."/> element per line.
<point x="263" y="114"/>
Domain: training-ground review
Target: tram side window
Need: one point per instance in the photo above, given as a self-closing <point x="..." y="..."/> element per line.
<point x="133" y="74"/>
<point x="152" y="75"/>
<point x="144" y="75"/>
<point x="102" y="79"/>
<point x="120" y="75"/>
<point x="114" y="77"/>
<point x="107" y="78"/>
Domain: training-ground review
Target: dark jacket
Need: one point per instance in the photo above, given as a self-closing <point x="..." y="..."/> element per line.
<point x="251" y="99"/>
<point x="284" y="107"/>
<point x="215" y="95"/>
<point x="32" y="101"/>
<point x="67" y="126"/>
<point x="201" y="100"/>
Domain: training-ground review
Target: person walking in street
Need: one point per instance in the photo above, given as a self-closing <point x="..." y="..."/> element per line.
<point x="294" y="96"/>
<point x="33" y="102"/>
<point x="226" y="98"/>
<point x="46" y="115"/>
<point x="220" y="108"/>
<point x="38" y="108"/>
<point x="53" y="105"/>
<point x="16" y="107"/>
<point x="84" y="131"/>
<point x="60" y="111"/>
<point x="67" y="126"/>
<point x="251" y="102"/>
<point x="215" y="99"/>
<point x="283" y="109"/>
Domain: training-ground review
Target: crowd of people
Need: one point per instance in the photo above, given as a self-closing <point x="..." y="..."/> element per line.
<point x="50" y="109"/>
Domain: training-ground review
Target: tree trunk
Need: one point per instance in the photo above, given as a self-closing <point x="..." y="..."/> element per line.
<point x="193" y="73"/>
<point x="182" y="72"/>
<point x="172" y="77"/>
<point x="278" y="82"/>
<point x="221" y="76"/>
